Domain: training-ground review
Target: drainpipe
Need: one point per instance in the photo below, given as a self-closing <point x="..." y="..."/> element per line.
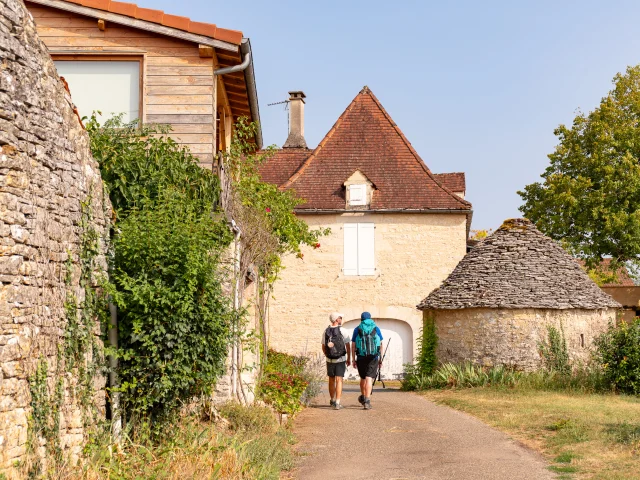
<point x="249" y="75"/>
<point x="116" y="419"/>
<point x="236" y="306"/>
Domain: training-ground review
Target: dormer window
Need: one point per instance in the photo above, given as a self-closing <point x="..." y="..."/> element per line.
<point x="358" y="191"/>
<point x="357" y="195"/>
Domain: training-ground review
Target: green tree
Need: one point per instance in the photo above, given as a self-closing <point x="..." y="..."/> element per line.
<point x="589" y="198"/>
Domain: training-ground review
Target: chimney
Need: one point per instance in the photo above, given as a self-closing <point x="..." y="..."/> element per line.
<point x="296" y="121"/>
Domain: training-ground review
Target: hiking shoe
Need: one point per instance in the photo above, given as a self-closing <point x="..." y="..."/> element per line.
<point x="367" y="404"/>
<point x="337" y="406"/>
<point x="361" y="400"/>
<point x="332" y="403"/>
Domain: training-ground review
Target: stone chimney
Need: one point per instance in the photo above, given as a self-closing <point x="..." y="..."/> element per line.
<point x="296" y="121"/>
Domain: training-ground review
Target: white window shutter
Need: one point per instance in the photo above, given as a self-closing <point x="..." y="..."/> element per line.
<point x="357" y="195"/>
<point x="350" y="249"/>
<point x="366" y="249"/>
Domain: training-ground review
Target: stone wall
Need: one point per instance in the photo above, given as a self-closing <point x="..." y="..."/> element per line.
<point x="46" y="171"/>
<point x="511" y="337"/>
<point x="414" y="253"/>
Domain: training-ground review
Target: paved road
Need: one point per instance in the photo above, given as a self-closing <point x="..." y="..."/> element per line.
<point x="405" y="436"/>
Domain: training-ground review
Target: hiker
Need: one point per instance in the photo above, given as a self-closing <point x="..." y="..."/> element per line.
<point x="366" y="342"/>
<point x="337" y="349"/>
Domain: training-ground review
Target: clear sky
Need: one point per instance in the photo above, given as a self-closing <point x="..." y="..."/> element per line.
<point x="475" y="86"/>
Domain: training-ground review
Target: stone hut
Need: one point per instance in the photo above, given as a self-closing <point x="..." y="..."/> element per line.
<point x="497" y="304"/>
<point x="51" y="207"/>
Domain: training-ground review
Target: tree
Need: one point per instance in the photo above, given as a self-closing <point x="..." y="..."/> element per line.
<point x="589" y="198"/>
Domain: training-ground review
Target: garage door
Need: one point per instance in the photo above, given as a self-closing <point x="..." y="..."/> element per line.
<point x="398" y="337"/>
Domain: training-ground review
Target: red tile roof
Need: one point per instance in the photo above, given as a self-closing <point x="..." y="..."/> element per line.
<point x="453" y="181"/>
<point x="279" y="168"/>
<point x="624" y="279"/>
<point x="364" y="138"/>
<point x="161" y="18"/>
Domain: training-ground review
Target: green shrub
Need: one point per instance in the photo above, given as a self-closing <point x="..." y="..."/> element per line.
<point x="279" y="362"/>
<point x="283" y="391"/>
<point x="554" y="351"/>
<point x="427" y="360"/>
<point x="618" y="351"/>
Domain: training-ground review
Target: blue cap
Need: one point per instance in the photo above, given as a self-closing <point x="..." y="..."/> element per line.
<point x="365" y="316"/>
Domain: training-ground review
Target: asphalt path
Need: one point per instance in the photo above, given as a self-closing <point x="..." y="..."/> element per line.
<point x="405" y="436"/>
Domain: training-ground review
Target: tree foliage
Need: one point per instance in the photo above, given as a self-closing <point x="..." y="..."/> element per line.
<point x="589" y="198"/>
<point x="618" y="351"/>
<point x="173" y="318"/>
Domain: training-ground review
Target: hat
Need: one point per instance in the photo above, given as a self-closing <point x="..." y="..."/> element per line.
<point x="334" y="316"/>
<point x="365" y="316"/>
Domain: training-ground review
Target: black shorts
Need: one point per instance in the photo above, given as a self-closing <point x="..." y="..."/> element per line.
<point x="367" y="366"/>
<point x="336" y="369"/>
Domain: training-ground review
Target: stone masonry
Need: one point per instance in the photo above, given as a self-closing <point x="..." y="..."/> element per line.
<point x="46" y="171"/>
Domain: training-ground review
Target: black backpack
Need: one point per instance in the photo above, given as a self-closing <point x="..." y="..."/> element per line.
<point x="334" y="342"/>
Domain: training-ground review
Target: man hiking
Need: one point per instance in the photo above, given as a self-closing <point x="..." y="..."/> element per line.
<point x="366" y="342"/>
<point x="337" y="349"/>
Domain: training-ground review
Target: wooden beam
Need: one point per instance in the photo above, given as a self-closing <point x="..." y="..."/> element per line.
<point x="135" y="23"/>
<point x="205" y="51"/>
<point x="102" y="25"/>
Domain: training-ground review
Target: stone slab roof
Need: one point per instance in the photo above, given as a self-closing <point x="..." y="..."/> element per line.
<point x="364" y="138"/>
<point x="518" y="267"/>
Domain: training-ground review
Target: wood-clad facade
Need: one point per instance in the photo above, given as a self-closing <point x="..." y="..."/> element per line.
<point x="178" y="85"/>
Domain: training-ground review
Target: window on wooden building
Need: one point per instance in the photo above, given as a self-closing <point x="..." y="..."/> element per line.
<point x="359" y="251"/>
<point x="111" y="87"/>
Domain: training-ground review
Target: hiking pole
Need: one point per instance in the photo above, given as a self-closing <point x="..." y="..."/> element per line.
<point x="379" y="377"/>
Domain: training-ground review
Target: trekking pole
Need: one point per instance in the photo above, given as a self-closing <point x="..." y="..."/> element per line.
<point x="379" y="377"/>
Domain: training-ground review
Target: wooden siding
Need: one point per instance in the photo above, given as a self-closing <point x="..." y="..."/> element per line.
<point x="177" y="85"/>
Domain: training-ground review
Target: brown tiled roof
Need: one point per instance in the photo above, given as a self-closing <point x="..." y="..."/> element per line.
<point x="365" y="138"/>
<point x="624" y="279"/>
<point x="453" y="181"/>
<point x="279" y="168"/>
<point x="161" y="18"/>
<point x="518" y="267"/>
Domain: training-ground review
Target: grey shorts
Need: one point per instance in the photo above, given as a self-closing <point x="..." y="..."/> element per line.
<point x="336" y="369"/>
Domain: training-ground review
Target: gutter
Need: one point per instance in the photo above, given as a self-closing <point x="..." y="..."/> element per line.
<point x="390" y="210"/>
<point x="249" y="77"/>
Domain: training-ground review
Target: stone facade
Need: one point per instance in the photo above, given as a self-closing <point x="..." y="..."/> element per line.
<point x="46" y="171"/>
<point x="414" y="253"/>
<point x="511" y="337"/>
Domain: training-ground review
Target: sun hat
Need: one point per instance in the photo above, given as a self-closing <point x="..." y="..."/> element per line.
<point x="334" y="316"/>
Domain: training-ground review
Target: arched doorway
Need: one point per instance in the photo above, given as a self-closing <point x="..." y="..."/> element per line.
<point x="400" y="336"/>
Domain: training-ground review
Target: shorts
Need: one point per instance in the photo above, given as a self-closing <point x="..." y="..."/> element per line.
<point x="336" y="369"/>
<point x="367" y="366"/>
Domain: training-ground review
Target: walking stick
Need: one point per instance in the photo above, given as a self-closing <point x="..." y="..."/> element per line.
<point x="379" y="369"/>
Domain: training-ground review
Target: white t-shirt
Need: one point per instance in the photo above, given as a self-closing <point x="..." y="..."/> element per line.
<point x="346" y="342"/>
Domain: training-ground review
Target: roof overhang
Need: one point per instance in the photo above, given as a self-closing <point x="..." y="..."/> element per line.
<point x="136" y="23"/>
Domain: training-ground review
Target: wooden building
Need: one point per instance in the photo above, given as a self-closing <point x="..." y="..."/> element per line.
<point x="152" y="66"/>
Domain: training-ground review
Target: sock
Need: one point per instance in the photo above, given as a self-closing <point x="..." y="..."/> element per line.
<point x="337" y="400"/>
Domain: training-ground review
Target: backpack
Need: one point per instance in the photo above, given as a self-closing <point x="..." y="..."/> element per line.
<point x="367" y="341"/>
<point x="334" y="341"/>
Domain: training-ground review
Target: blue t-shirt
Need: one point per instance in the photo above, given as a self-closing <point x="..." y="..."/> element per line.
<point x="355" y="335"/>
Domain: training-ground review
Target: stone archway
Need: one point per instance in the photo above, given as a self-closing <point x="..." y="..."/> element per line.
<point x="400" y="335"/>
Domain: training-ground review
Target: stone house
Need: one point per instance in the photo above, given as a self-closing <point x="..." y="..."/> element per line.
<point x="496" y="305"/>
<point x="397" y="229"/>
<point x="153" y="67"/>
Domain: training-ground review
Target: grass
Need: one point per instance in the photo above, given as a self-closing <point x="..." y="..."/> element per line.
<point x="594" y="436"/>
<point x="250" y="446"/>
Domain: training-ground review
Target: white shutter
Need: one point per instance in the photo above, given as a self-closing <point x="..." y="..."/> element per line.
<point x="350" y="249"/>
<point x="366" y="250"/>
<point x="357" y="195"/>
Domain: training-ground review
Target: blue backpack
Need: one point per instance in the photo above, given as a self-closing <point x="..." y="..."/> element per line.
<point x="367" y="341"/>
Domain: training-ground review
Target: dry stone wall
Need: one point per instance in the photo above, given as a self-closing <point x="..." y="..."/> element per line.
<point x="490" y="337"/>
<point x="46" y="174"/>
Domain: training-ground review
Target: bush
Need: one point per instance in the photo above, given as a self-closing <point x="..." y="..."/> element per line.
<point x="283" y="392"/>
<point x="554" y="351"/>
<point x="253" y="419"/>
<point x="618" y="351"/>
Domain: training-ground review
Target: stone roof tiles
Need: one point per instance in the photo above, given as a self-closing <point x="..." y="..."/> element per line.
<point x="518" y="267"/>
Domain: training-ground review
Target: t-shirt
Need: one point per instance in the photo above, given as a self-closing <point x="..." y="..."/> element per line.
<point x="346" y="341"/>
<point x="355" y="336"/>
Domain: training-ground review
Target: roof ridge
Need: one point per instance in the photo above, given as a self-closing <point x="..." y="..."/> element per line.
<point x="413" y="150"/>
<point x="316" y="150"/>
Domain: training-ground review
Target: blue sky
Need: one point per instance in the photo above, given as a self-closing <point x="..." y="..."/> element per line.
<point x="476" y="86"/>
